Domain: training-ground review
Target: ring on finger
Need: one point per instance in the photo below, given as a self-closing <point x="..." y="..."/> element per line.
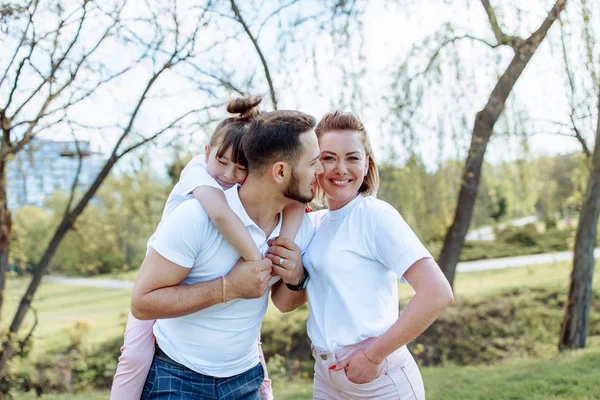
<point x="280" y="263"/>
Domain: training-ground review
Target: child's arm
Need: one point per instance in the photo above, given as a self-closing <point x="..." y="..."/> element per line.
<point x="293" y="214"/>
<point x="227" y="222"/>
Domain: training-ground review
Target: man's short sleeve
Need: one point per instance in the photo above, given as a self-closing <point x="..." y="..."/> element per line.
<point x="396" y="245"/>
<point x="182" y="235"/>
<point x="194" y="175"/>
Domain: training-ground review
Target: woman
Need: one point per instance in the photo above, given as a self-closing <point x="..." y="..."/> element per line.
<point x="360" y="249"/>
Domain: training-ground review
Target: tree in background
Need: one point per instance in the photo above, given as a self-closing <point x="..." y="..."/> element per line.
<point x="61" y="58"/>
<point x="176" y="62"/>
<point x="409" y="98"/>
<point x="111" y="234"/>
<point x="584" y="84"/>
<point x="483" y="129"/>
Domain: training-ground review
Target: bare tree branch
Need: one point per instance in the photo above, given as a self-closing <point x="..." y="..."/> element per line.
<point x="55" y="65"/>
<point x="28" y="135"/>
<point x="77" y="172"/>
<point x="572" y="89"/>
<point x="220" y="80"/>
<point x="580" y="138"/>
<point x="168" y="127"/>
<point x="25" y="340"/>
<point x="274" y="13"/>
<point x="17" y="77"/>
<point x="501" y="37"/>
<point x="240" y="19"/>
<point x="21" y="41"/>
<point x="448" y="41"/>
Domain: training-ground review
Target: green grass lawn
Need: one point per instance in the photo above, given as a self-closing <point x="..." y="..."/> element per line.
<point x="570" y="376"/>
<point x="573" y="376"/>
<point x="567" y="376"/>
<point x="60" y="307"/>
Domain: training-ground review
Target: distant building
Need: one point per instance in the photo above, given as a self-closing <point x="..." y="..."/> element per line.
<point x="44" y="166"/>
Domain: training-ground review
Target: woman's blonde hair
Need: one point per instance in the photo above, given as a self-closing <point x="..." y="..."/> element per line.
<point x="348" y="121"/>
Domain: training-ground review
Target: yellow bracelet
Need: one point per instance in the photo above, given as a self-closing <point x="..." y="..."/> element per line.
<point x="224" y="288"/>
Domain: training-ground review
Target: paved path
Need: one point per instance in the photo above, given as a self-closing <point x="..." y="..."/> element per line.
<point x="517" y="262"/>
<point x="469" y="266"/>
<point x="89" y="282"/>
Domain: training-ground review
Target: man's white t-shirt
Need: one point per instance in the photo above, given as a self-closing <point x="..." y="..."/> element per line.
<point x="192" y="176"/>
<point x="355" y="259"/>
<point x="220" y="340"/>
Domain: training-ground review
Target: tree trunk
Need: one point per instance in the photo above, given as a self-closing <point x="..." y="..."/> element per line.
<point x="5" y="230"/>
<point x="482" y="131"/>
<point x="576" y="321"/>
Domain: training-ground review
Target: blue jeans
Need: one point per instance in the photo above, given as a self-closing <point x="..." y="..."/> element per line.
<point x="167" y="381"/>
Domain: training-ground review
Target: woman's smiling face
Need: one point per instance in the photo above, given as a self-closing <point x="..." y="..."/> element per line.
<point x="345" y="165"/>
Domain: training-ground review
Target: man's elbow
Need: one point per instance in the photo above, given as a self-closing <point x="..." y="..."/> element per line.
<point x="138" y="310"/>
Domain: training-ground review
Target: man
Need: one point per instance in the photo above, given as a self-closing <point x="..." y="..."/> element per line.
<point x="208" y="305"/>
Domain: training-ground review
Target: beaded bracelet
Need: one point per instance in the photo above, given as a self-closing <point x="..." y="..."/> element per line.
<point x="224" y="288"/>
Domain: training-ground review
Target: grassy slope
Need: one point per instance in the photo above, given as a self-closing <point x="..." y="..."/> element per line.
<point x="571" y="376"/>
<point x="60" y="306"/>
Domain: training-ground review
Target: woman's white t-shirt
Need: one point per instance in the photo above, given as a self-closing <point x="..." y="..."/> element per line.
<point x="355" y="259"/>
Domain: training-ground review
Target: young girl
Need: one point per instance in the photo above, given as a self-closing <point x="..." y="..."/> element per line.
<point x="205" y="178"/>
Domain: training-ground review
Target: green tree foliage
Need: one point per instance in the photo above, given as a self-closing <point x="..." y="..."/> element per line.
<point x="551" y="186"/>
<point x="31" y="230"/>
<point x="110" y="236"/>
<point x="112" y="233"/>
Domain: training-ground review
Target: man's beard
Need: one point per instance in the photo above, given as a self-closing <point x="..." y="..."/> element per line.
<point x="292" y="191"/>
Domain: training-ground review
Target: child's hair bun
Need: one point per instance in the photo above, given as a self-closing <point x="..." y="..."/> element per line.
<point x="245" y="106"/>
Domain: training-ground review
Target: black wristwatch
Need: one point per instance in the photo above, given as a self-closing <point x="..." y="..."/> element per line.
<point x="301" y="285"/>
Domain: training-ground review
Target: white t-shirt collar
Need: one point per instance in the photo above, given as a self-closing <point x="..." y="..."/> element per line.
<point x="342" y="212"/>
<point x="233" y="198"/>
<point x="235" y="203"/>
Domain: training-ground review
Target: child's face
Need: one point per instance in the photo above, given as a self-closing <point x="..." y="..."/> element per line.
<point x="225" y="171"/>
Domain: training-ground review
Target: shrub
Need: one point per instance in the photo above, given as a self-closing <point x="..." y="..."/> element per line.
<point x="520" y="323"/>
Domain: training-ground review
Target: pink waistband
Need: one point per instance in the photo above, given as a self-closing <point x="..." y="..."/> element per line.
<point x="329" y="357"/>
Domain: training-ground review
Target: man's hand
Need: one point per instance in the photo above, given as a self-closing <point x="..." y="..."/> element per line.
<point x="286" y="259"/>
<point x="248" y="279"/>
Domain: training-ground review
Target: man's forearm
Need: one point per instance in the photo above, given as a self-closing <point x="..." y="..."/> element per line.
<point x="287" y="300"/>
<point x="176" y="301"/>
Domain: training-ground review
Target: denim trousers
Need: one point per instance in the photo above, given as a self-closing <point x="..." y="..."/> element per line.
<point x="170" y="381"/>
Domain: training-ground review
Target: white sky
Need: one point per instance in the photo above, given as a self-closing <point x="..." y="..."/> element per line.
<point x="389" y="32"/>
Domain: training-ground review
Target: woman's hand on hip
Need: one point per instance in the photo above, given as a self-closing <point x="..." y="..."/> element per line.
<point x="358" y="368"/>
